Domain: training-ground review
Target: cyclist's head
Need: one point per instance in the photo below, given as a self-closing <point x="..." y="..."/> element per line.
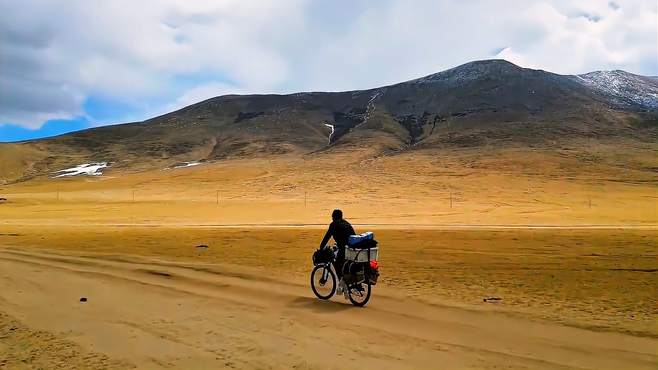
<point x="337" y="214"/>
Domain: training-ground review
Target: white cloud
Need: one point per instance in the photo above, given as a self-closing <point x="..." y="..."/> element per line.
<point x="134" y="52"/>
<point x="204" y="92"/>
<point x="174" y="51"/>
<point x="396" y="41"/>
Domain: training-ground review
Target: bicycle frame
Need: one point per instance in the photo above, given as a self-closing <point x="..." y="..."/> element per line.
<point x="329" y="265"/>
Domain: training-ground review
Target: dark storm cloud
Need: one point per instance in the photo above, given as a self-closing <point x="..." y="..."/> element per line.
<point x="29" y="92"/>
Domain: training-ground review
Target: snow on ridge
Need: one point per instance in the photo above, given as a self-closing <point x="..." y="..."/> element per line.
<point x="625" y="87"/>
<point x="371" y="104"/>
<point x="87" y="169"/>
<point x="370" y="107"/>
<point x="468" y="72"/>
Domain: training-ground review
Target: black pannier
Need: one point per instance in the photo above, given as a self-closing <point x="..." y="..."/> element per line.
<point x="354" y="272"/>
<point x="324" y="255"/>
<point x="372" y="274"/>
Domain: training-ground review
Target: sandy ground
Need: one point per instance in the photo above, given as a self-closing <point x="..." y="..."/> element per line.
<point x="570" y="299"/>
<point x="569" y="248"/>
<point x="149" y="313"/>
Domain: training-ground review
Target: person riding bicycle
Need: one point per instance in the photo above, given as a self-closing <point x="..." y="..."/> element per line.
<point x="340" y="230"/>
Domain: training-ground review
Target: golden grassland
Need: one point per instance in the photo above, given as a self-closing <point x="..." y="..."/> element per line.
<point x="505" y="188"/>
<point x="604" y="279"/>
<point x="593" y="266"/>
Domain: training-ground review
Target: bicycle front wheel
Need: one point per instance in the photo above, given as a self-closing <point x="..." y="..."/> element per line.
<point x="323" y="281"/>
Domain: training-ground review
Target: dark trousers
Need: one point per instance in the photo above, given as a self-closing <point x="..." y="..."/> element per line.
<point x="340" y="260"/>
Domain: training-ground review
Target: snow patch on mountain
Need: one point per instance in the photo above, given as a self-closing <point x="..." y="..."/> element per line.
<point x="187" y="164"/>
<point x="182" y="165"/>
<point x="333" y="129"/>
<point x="470" y="72"/>
<point x="370" y="107"/>
<point x="87" y="169"/>
<point x="623" y="87"/>
<point x="620" y="88"/>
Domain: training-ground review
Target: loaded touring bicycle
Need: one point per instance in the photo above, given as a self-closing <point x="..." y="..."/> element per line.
<point x="360" y="270"/>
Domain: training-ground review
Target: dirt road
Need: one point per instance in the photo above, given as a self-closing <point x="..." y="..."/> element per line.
<point x="148" y="313"/>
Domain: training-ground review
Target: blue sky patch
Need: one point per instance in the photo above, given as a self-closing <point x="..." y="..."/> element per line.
<point x="9" y="132"/>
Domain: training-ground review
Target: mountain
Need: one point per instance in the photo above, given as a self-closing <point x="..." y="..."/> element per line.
<point x="482" y="104"/>
<point x="624" y="88"/>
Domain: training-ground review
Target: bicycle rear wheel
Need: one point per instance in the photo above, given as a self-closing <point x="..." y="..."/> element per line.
<point x="323" y="281"/>
<point x="359" y="293"/>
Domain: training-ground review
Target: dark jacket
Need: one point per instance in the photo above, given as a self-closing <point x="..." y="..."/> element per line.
<point x="340" y="230"/>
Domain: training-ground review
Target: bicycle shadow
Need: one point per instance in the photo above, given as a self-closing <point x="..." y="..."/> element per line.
<point x="318" y="305"/>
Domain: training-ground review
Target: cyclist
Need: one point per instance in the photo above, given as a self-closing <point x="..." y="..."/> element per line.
<point x="340" y="230"/>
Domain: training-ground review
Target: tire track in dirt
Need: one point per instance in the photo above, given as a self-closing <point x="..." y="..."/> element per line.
<point x="158" y="313"/>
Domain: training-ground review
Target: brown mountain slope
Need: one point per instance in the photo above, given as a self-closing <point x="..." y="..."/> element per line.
<point x="477" y="105"/>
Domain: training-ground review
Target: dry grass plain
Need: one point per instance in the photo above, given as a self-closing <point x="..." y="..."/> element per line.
<point x="567" y="244"/>
<point x="601" y="279"/>
<point x="505" y="187"/>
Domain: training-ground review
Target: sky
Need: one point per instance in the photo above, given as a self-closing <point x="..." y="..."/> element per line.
<point x="75" y="64"/>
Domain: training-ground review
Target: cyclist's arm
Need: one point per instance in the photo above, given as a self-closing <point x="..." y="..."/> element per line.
<point x="326" y="238"/>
